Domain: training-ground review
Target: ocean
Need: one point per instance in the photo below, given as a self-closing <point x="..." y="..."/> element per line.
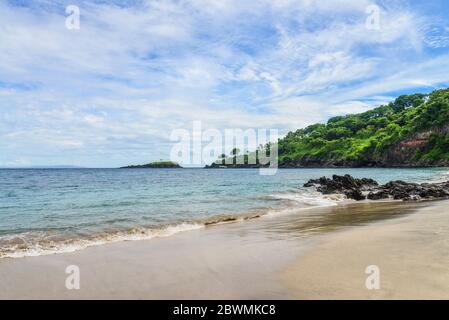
<point x="47" y="211"/>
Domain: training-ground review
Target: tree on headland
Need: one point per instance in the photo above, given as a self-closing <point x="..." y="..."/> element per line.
<point x="234" y="153"/>
<point x="223" y="158"/>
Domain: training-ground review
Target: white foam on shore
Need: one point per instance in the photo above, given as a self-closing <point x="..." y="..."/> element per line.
<point x="302" y="199"/>
<point x="310" y="197"/>
<point x="31" y="244"/>
<point x="33" y="248"/>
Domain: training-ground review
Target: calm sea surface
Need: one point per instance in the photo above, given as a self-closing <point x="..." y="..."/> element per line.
<point x="45" y="211"/>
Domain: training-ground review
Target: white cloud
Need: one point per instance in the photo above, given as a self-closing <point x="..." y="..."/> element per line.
<point x="110" y="93"/>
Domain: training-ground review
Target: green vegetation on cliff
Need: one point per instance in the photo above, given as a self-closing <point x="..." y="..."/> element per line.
<point x="411" y="131"/>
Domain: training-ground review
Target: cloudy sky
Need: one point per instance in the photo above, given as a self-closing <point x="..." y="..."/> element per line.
<point x="111" y="93"/>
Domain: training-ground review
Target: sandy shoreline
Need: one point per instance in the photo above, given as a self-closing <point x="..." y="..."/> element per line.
<point x="412" y="254"/>
<point x="232" y="261"/>
<point x="310" y="254"/>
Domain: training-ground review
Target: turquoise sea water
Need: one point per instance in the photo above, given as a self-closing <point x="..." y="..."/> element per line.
<point x="45" y="211"/>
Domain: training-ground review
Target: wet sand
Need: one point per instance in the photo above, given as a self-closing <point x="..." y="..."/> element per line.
<point x="307" y="254"/>
<point x="231" y="261"/>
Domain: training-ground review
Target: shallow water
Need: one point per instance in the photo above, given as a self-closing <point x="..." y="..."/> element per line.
<point x="59" y="210"/>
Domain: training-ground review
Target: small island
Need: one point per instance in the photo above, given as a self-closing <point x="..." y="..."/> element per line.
<point x="157" y="165"/>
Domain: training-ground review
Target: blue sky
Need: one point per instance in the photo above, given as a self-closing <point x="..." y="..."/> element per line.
<point x="111" y="93"/>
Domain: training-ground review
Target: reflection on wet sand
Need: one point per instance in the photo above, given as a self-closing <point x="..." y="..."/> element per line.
<point x="326" y="219"/>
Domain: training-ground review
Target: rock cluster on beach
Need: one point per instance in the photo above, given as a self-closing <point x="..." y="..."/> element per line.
<point x="361" y="189"/>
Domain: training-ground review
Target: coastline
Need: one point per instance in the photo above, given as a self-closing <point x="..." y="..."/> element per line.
<point x="328" y="166"/>
<point x="261" y="259"/>
<point x="228" y="261"/>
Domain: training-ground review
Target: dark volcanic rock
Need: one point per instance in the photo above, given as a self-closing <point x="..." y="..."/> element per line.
<point x="354" y="194"/>
<point x="378" y="195"/>
<point x="347" y="185"/>
<point x="356" y="189"/>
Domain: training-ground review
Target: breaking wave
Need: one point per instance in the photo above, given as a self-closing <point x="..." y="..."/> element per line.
<point x="37" y="243"/>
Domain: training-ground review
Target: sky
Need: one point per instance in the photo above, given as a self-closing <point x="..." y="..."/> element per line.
<point x="112" y="92"/>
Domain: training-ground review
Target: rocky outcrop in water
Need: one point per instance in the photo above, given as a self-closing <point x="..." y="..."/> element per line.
<point x="361" y="189"/>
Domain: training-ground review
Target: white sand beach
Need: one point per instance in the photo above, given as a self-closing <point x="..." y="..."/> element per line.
<point x="412" y="254"/>
<point x="319" y="253"/>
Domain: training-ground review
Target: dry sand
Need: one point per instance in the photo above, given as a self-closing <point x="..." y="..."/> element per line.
<point x="412" y="254"/>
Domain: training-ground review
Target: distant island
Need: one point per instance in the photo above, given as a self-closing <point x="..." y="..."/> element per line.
<point x="411" y="131"/>
<point x="157" y="164"/>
